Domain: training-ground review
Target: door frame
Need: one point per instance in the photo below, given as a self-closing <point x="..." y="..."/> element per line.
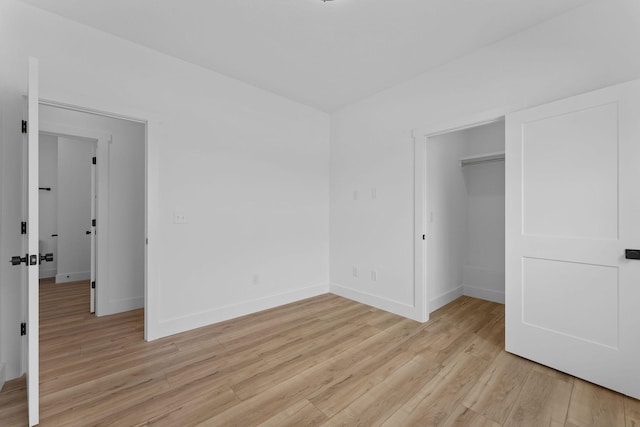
<point x="100" y="185"/>
<point x="420" y="138"/>
<point x="103" y="144"/>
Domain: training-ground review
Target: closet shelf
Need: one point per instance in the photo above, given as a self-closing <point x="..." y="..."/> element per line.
<point x="482" y="158"/>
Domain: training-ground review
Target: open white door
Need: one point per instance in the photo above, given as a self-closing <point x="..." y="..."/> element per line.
<point x="572" y="213"/>
<point x="33" y="297"/>
<point x="92" y="282"/>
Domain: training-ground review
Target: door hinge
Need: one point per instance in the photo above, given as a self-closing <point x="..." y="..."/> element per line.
<point x="23" y="227"/>
<point x="93" y="222"/>
<point x="93" y="285"/>
<point x="93" y="161"/>
<point x="23" y="329"/>
<point x="424" y="237"/>
<point x="24" y="126"/>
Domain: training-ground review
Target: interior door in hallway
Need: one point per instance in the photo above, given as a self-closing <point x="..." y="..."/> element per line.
<point x="92" y="221"/>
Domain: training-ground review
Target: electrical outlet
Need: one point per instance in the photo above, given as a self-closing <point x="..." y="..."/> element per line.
<point x="256" y="279"/>
<point x="374" y="276"/>
<point x="179" y="217"/>
<point x="355" y="195"/>
<point x="374" y="193"/>
<point x="355" y="272"/>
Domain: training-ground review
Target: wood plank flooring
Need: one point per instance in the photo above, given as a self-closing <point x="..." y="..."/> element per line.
<point x="323" y="361"/>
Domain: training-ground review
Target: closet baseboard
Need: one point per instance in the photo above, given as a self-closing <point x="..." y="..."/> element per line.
<point x="485" y="294"/>
<point x="48" y="273"/>
<point x="376" y="301"/>
<point x="444" y="299"/>
<point x="2" y="374"/>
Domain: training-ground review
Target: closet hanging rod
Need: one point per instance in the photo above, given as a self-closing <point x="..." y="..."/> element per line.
<point x="484" y="158"/>
<point x="477" y="162"/>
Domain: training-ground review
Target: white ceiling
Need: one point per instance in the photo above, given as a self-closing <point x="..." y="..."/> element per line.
<point x="325" y="55"/>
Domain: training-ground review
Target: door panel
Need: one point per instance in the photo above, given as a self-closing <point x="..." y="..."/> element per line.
<point x="572" y="206"/>
<point x="588" y="291"/>
<point x="32" y="196"/>
<point x="557" y="203"/>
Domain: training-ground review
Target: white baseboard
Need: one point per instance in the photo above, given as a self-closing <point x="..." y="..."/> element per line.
<point x="485" y="294"/>
<point x="2" y="374"/>
<point x="73" y="277"/>
<point x="181" y="324"/>
<point x="46" y="273"/>
<point x="444" y="299"/>
<point x="483" y="283"/>
<point x="120" y="306"/>
<point x="385" y="304"/>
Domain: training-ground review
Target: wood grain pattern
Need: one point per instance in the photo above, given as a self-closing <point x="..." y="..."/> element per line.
<point x="465" y="417"/>
<point x="592" y="405"/>
<point x="632" y="412"/>
<point x="497" y="390"/>
<point x="324" y="361"/>
<point x="544" y="400"/>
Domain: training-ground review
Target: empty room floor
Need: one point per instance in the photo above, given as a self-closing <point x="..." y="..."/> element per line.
<point x="322" y="361"/>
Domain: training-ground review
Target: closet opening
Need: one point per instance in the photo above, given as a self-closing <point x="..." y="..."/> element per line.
<point x="464" y="209"/>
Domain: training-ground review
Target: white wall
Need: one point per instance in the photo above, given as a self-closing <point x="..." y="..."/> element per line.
<point x="12" y="294"/>
<point x="484" y="259"/>
<point x="249" y="170"/>
<point x="74" y="208"/>
<point x="48" y="175"/>
<point x="590" y="47"/>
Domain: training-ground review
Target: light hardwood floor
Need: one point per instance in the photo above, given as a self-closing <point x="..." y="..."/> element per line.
<point x="322" y="361"/>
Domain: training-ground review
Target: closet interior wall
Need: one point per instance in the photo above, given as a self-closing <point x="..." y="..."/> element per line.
<point x="465" y="216"/>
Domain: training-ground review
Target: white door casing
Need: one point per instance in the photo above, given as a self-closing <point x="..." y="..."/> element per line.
<point x="572" y="208"/>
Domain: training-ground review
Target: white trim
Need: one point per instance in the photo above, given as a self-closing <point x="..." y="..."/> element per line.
<point x="47" y="273"/>
<point x="204" y="318"/>
<point x="485" y="294"/>
<point x="150" y="222"/>
<point x="122" y="305"/>
<point x="444" y="299"/>
<point x="75" y="276"/>
<point x="103" y="225"/>
<point x="2" y="374"/>
<point x="420" y="290"/>
<point x="72" y="107"/>
<point x="466" y="122"/>
<point x="395" y="307"/>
